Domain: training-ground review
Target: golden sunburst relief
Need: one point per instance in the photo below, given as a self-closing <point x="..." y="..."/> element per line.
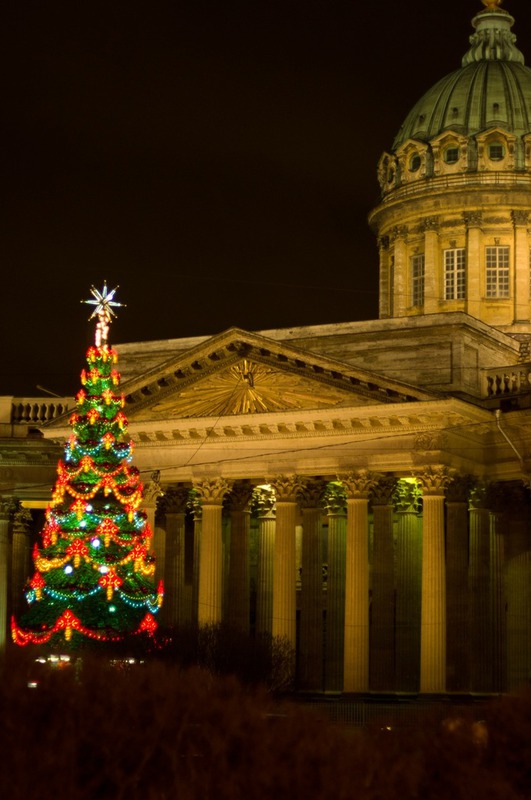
<point x="250" y="388"/>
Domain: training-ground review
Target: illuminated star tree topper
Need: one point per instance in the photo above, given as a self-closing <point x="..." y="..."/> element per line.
<point x="104" y="311"/>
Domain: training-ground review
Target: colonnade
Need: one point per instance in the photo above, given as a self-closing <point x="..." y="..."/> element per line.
<point x="379" y="584"/>
<point x="404" y="584"/>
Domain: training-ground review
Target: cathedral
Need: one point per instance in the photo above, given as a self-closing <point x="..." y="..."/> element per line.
<point x="363" y="489"/>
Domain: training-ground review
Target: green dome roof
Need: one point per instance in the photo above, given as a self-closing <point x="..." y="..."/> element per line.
<point x="492" y="88"/>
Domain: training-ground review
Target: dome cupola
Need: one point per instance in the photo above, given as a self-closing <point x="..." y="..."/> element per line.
<point x="453" y="222"/>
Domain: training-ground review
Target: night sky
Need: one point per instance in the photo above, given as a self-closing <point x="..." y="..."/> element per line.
<point x="216" y="159"/>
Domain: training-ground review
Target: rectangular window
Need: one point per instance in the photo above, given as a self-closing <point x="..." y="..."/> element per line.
<point x="417" y="273"/>
<point x="454" y="274"/>
<point x="497" y="271"/>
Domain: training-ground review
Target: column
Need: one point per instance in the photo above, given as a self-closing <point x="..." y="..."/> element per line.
<point x="433" y="605"/>
<point x="20" y="558"/>
<point x="458" y="634"/>
<point x="286" y="488"/>
<point x="408" y="579"/>
<point x="517" y="559"/>
<point x="521" y="266"/>
<point x="174" y="503"/>
<point x="336" y="506"/>
<point x="311" y="604"/>
<point x="197" y="514"/>
<point x="264" y="502"/>
<point x="498" y="588"/>
<point x="152" y="493"/>
<point x="209" y="605"/>
<point x="382" y="638"/>
<point x="475" y="262"/>
<point x="432" y="290"/>
<point x="356" y="654"/>
<point x="238" y="606"/>
<point x="479" y="594"/>
<point x="5" y="507"/>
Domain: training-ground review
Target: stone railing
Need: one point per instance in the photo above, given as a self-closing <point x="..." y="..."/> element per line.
<point x="37" y="410"/>
<point x="503" y="180"/>
<point x="508" y="381"/>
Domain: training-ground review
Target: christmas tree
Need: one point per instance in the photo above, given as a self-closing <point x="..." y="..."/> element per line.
<point x="93" y="572"/>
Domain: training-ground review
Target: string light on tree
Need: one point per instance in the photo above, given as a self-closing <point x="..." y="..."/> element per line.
<point x="93" y="575"/>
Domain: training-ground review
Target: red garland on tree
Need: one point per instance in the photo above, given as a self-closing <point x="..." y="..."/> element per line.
<point x="93" y="572"/>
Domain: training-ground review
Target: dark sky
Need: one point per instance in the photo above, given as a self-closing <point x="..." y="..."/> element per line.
<point x="216" y="159"/>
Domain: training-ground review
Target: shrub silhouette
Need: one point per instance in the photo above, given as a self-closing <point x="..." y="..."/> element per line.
<point x="160" y="732"/>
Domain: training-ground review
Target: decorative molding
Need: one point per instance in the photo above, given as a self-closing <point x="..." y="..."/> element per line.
<point x="430" y="440"/>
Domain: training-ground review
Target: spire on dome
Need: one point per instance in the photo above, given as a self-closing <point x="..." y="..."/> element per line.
<point x="493" y="40"/>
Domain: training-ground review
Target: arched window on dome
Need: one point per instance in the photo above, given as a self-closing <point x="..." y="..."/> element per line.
<point x="412" y="158"/>
<point x="450" y="153"/>
<point x="496" y="150"/>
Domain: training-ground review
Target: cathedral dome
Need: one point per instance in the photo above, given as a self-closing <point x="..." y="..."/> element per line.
<point x="492" y="89"/>
<point x="454" y="219"/>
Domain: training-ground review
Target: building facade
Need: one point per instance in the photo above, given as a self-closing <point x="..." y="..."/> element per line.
<point x="362" y="489"/>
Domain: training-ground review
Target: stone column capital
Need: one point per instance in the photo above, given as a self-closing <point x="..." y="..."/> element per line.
<point x="520" y="217"/>
<point x="287" y="488"/>
<point x="383" y="491"/>
<point x="335" y="499"/>
<point x="8" y="506"/>
<point x="473" y="219"/>
<point x="407" y="496"/>
<point x="210" y="492"/>
<point x="176" y="500"/>
<point x="22" y="520"/>
<point x="459" y="488"/>
<point x="263" y="501"/>
<point x="358" y="484"/>
<point x="153" y="490"/>
<point x="240" y="495"/>
<point x="434" y="481"/>
<point x="311" y="494"/>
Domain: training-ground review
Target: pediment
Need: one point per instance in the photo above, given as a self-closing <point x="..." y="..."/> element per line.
<point x="238" y="373"/>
